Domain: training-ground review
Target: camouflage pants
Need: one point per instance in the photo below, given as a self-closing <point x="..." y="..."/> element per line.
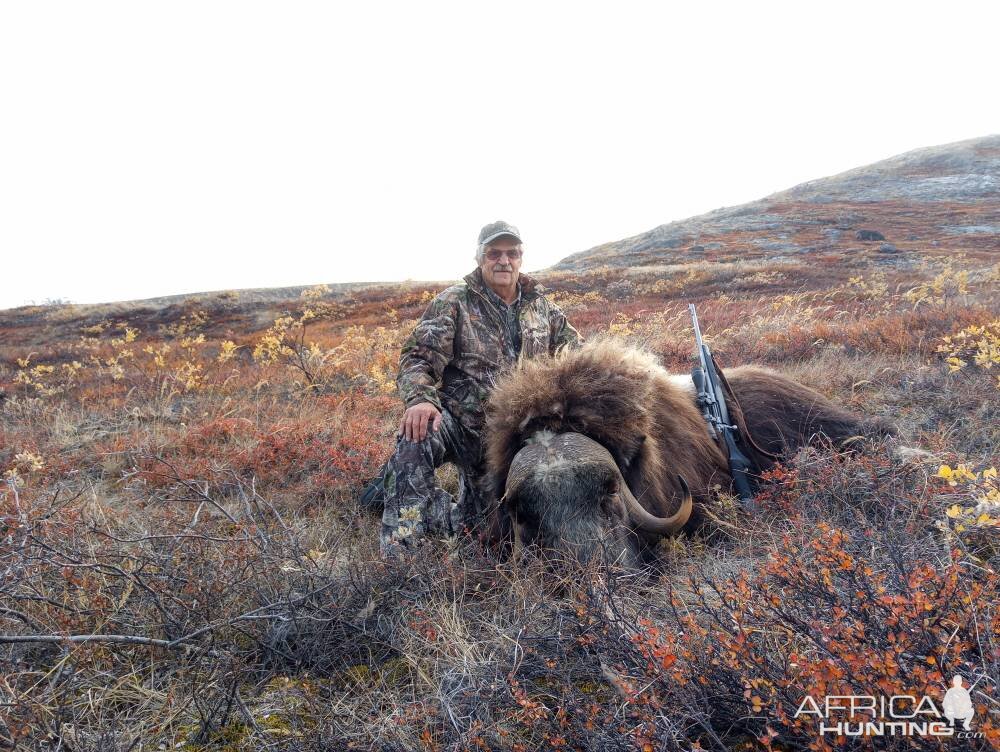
<point x="414" y="506"/>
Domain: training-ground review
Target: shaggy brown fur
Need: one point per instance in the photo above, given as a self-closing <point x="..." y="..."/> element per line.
<point x="623" y="399"/>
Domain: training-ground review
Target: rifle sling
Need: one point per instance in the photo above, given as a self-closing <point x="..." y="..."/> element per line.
<point x="737" y="416"/>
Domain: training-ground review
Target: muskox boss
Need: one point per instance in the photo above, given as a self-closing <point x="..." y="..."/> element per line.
<point x="601" y="450"/>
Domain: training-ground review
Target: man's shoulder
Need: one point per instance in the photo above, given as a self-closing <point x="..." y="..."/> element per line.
<point x="448" y="301"/>
<point x="538" y="294"/>
<point x="455" y="293"/>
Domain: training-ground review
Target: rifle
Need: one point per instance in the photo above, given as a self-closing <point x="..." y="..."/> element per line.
<point x="712" y="401"/>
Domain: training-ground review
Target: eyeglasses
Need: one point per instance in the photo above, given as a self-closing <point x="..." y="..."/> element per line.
<point x="495" y="255"/>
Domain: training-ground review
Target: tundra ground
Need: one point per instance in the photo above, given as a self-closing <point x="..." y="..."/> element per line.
<point x="185" y="566"/>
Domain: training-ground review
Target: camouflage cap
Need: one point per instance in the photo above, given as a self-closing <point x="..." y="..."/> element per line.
<point x="494" y="230"/>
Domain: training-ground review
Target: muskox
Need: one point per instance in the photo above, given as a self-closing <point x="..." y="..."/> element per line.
<point x="601" y="450"/>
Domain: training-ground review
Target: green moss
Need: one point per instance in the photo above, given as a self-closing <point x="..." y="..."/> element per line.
<point x="230" y="738"/>
<point x="592" y="687"/>
<point x="359" y="674"/>
<point x="275" y="723"/>
<point x="393" y="672"/>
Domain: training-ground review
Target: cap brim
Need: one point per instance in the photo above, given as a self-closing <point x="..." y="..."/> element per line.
<point x="493" y="237"/>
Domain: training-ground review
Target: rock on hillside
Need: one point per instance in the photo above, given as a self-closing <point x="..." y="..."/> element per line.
<point x="944" y="198"/>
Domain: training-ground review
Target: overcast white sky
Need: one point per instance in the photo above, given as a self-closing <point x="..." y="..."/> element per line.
<point x="159" y="148"/>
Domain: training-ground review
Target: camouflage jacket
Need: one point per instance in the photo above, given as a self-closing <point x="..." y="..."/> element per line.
<point x="459" y="347"/>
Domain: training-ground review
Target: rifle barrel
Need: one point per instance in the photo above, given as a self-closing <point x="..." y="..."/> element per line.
<point x="697" y="329"/>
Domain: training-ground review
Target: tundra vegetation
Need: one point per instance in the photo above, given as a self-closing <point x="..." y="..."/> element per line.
<point x="184" y="565"/>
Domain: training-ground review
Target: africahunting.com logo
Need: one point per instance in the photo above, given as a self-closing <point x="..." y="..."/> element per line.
<point x="897" y="715"/>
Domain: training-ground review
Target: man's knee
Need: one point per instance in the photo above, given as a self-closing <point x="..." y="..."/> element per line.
<point x="412" y="451"/>
<point x="429" y="452"/>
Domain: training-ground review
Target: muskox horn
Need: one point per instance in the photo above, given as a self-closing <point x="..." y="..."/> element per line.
<point x="522" y="467"/>
<point x="650" y="523"/>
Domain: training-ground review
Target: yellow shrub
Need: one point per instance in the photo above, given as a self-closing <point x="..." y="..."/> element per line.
<point x="979" y="345"/>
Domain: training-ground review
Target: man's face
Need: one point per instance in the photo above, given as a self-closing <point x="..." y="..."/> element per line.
<point x="501" y="263"/>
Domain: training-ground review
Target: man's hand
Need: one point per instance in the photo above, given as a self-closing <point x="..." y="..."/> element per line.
<point x="413" y="426"/>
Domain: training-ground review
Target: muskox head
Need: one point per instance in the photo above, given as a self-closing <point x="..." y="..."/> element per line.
<point x="566" y="495"/>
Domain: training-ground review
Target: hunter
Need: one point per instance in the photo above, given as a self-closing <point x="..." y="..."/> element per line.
<point x="468" y="335"/>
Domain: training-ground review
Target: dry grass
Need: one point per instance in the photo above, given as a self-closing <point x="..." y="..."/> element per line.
<point x="196" y="501"/>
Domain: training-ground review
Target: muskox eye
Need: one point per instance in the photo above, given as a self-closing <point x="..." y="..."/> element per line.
<point x="609" y="501"/>
<point x="527" y="520"/>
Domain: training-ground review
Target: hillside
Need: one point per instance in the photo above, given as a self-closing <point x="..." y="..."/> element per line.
<point x="939" y="197"/>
